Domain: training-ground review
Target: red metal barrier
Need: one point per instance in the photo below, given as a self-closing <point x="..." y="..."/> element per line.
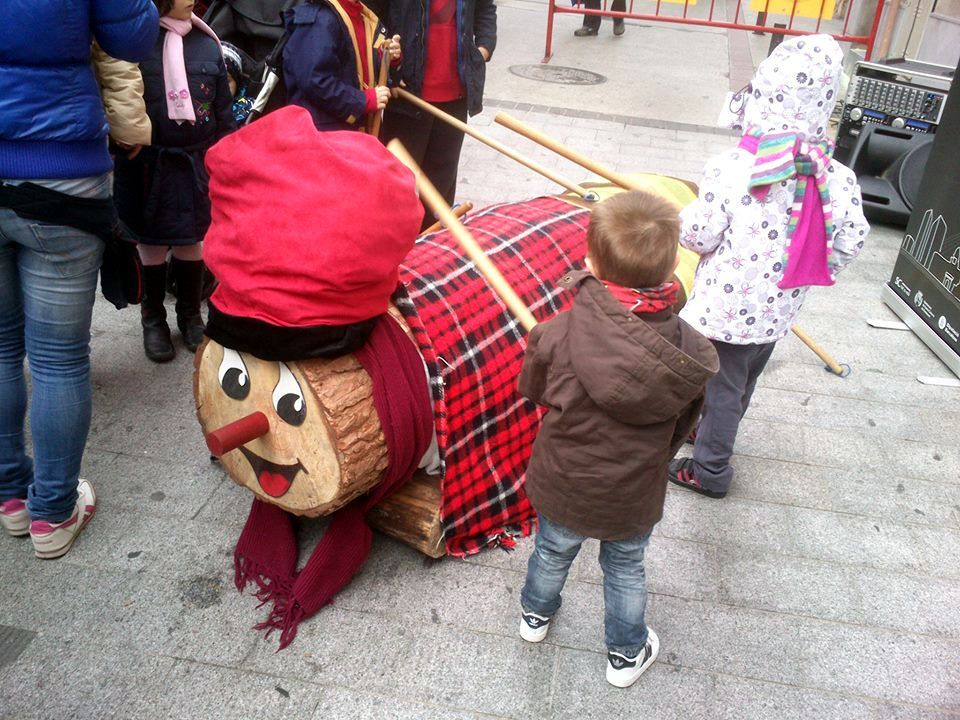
<point x="562" y="7"/>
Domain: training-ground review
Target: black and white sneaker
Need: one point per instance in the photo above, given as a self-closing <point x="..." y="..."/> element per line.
<point x="533" y="627"/>
<point x="623" y="671"/>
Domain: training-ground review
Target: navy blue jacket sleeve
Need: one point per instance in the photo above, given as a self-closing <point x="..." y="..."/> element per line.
<point x="485" y="24"/>
<point x="125" y="30"/>
<point x="312" y="62"/>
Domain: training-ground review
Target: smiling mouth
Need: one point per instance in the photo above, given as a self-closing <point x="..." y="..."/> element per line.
<point x="273" y="478"/>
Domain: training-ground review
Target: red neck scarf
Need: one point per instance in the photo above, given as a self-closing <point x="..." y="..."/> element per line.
<point x="267" y="551"/>
<point x="645" y="300"/>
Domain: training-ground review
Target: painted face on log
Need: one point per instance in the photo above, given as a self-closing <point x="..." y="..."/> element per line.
<point x="283" y="430"/>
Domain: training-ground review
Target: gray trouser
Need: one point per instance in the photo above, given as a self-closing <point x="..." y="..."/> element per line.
<point x="725" y="401"/>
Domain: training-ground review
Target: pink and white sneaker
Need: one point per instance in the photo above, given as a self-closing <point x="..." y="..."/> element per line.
<point x="52" y="540"/>
<point x="14" y="517"/>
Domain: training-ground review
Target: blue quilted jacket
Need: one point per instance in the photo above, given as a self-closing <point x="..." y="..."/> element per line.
<point x="52" y="123"/>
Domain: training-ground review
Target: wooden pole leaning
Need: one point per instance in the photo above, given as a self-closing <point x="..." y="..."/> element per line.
<point x="381" y="80"/>
<point x="496" y="145"/>
<point x="458" y="212"/>
<point x="508" y="121"/>
<point x="832" y="365"/>
<point x="432" y="199"/>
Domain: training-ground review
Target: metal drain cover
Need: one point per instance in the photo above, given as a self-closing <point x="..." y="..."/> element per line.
<point x="557" y="74"/>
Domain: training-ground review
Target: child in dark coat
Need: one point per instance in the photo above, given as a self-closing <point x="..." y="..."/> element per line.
<point x="331" y="62"/>
<point x="623" y="379"/>
<point x="161" y="193"/>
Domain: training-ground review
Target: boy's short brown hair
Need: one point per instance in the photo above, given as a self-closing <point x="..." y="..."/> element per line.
<point x="632" y="239"/>
<point x="163" y="6"/>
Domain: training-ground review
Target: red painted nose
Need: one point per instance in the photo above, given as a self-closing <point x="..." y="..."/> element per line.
<point x="237" y="433"/>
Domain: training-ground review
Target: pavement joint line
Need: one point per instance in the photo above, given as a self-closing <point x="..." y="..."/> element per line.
<point x="822" y="690"/>
<point x="847" y="513"/>
<point x="661" y="660"/>
<point x="748" y="608"/>
<point x="751" y="549"/>
<point x="631" y="120"/>
<point x="784" y="388"/>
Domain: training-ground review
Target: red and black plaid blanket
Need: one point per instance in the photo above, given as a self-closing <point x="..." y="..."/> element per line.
<point x="474" y="348"/>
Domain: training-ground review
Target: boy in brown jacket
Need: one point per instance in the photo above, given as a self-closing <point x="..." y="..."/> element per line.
<point x="623" y="379"/>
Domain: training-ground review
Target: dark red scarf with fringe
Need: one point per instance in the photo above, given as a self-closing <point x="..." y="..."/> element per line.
<point x="267" y="551"/>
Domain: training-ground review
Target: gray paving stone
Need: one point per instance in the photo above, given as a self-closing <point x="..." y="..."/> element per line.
<point x="665" y="691"/>
<point x="741" y="699"/>
<point x="812" y="534"/>
<point x="74" y="678"/>
<point x="799" y="651"/>
<point x="190" y="690"/>
<point x="880" y="420"/>
<point x="873" y="494"/>
<point x="498" y="676"/>
<point x="343" y="703"/>
<point x="166" y="488"/>
<point x="829" y="591"/>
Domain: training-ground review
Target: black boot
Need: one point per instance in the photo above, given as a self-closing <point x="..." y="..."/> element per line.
<point x="189" y="277"/>
<point x="156" y="334"/>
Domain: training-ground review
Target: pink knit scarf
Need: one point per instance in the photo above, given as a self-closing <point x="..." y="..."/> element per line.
<point x="175" y="85"/>
<point x="781" y="156"/>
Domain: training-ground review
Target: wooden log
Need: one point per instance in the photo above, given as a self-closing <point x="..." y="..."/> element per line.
<point x="335" y="454"/>
<point x="412" y="515"/>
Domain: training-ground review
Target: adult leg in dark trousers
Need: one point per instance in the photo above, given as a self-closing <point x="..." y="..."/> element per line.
<point x="726" y="400"/>
<point x="433" y="143"/>
<point x="591" y="23"/>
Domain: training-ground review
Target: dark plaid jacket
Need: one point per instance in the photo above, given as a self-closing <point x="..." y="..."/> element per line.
<point x="623" y="391"/>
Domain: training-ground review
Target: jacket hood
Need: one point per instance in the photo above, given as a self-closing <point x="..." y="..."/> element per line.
<point x="628" y="368"/>
<point x="795" y="88"/>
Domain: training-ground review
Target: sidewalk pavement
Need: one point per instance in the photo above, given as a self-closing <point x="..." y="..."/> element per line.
<point x="826" y="585"/>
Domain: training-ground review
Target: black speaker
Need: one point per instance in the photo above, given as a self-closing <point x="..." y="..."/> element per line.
<point x="889" y="165"/>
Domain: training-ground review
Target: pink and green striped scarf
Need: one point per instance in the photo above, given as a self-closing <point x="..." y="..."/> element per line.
<point x="782" y="156"/>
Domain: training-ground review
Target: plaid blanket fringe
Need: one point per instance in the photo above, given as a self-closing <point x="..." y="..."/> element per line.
<point x="473" y="348"/>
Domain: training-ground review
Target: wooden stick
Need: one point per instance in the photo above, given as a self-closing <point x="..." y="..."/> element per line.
<point x="432" y="199"/>
<point x="498" y="146"/>
<point x="459" y="211"/>
<point x="832" y="364"/>
<point x="381" y="80"/>
<point x="548" y="142"/>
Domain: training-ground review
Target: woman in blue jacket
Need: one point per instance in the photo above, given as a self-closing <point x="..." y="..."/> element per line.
<point x="55" y="206"/>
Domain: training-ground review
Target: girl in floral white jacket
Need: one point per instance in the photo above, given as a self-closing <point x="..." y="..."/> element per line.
<point x="774" y="216"/>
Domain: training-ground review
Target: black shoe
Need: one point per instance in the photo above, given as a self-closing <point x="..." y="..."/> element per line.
<point x="189" y="274"/>
<point x="618" y="28"/>
<point x="681" y="473"/>
<point x="586" y="31"/>
<point x="153" y="316"/>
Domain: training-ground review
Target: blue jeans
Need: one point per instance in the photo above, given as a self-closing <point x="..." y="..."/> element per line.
<point x="48" y="281"/>
<point x="624" y="582"/>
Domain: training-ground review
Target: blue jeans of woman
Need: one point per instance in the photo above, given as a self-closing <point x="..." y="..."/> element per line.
<point x="624" y="582"/>
<point x="48" y="280"/>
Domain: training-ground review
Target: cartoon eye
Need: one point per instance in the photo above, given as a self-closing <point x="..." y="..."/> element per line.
<point x="233" y="375"/>
<point x="288" y="398"/>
